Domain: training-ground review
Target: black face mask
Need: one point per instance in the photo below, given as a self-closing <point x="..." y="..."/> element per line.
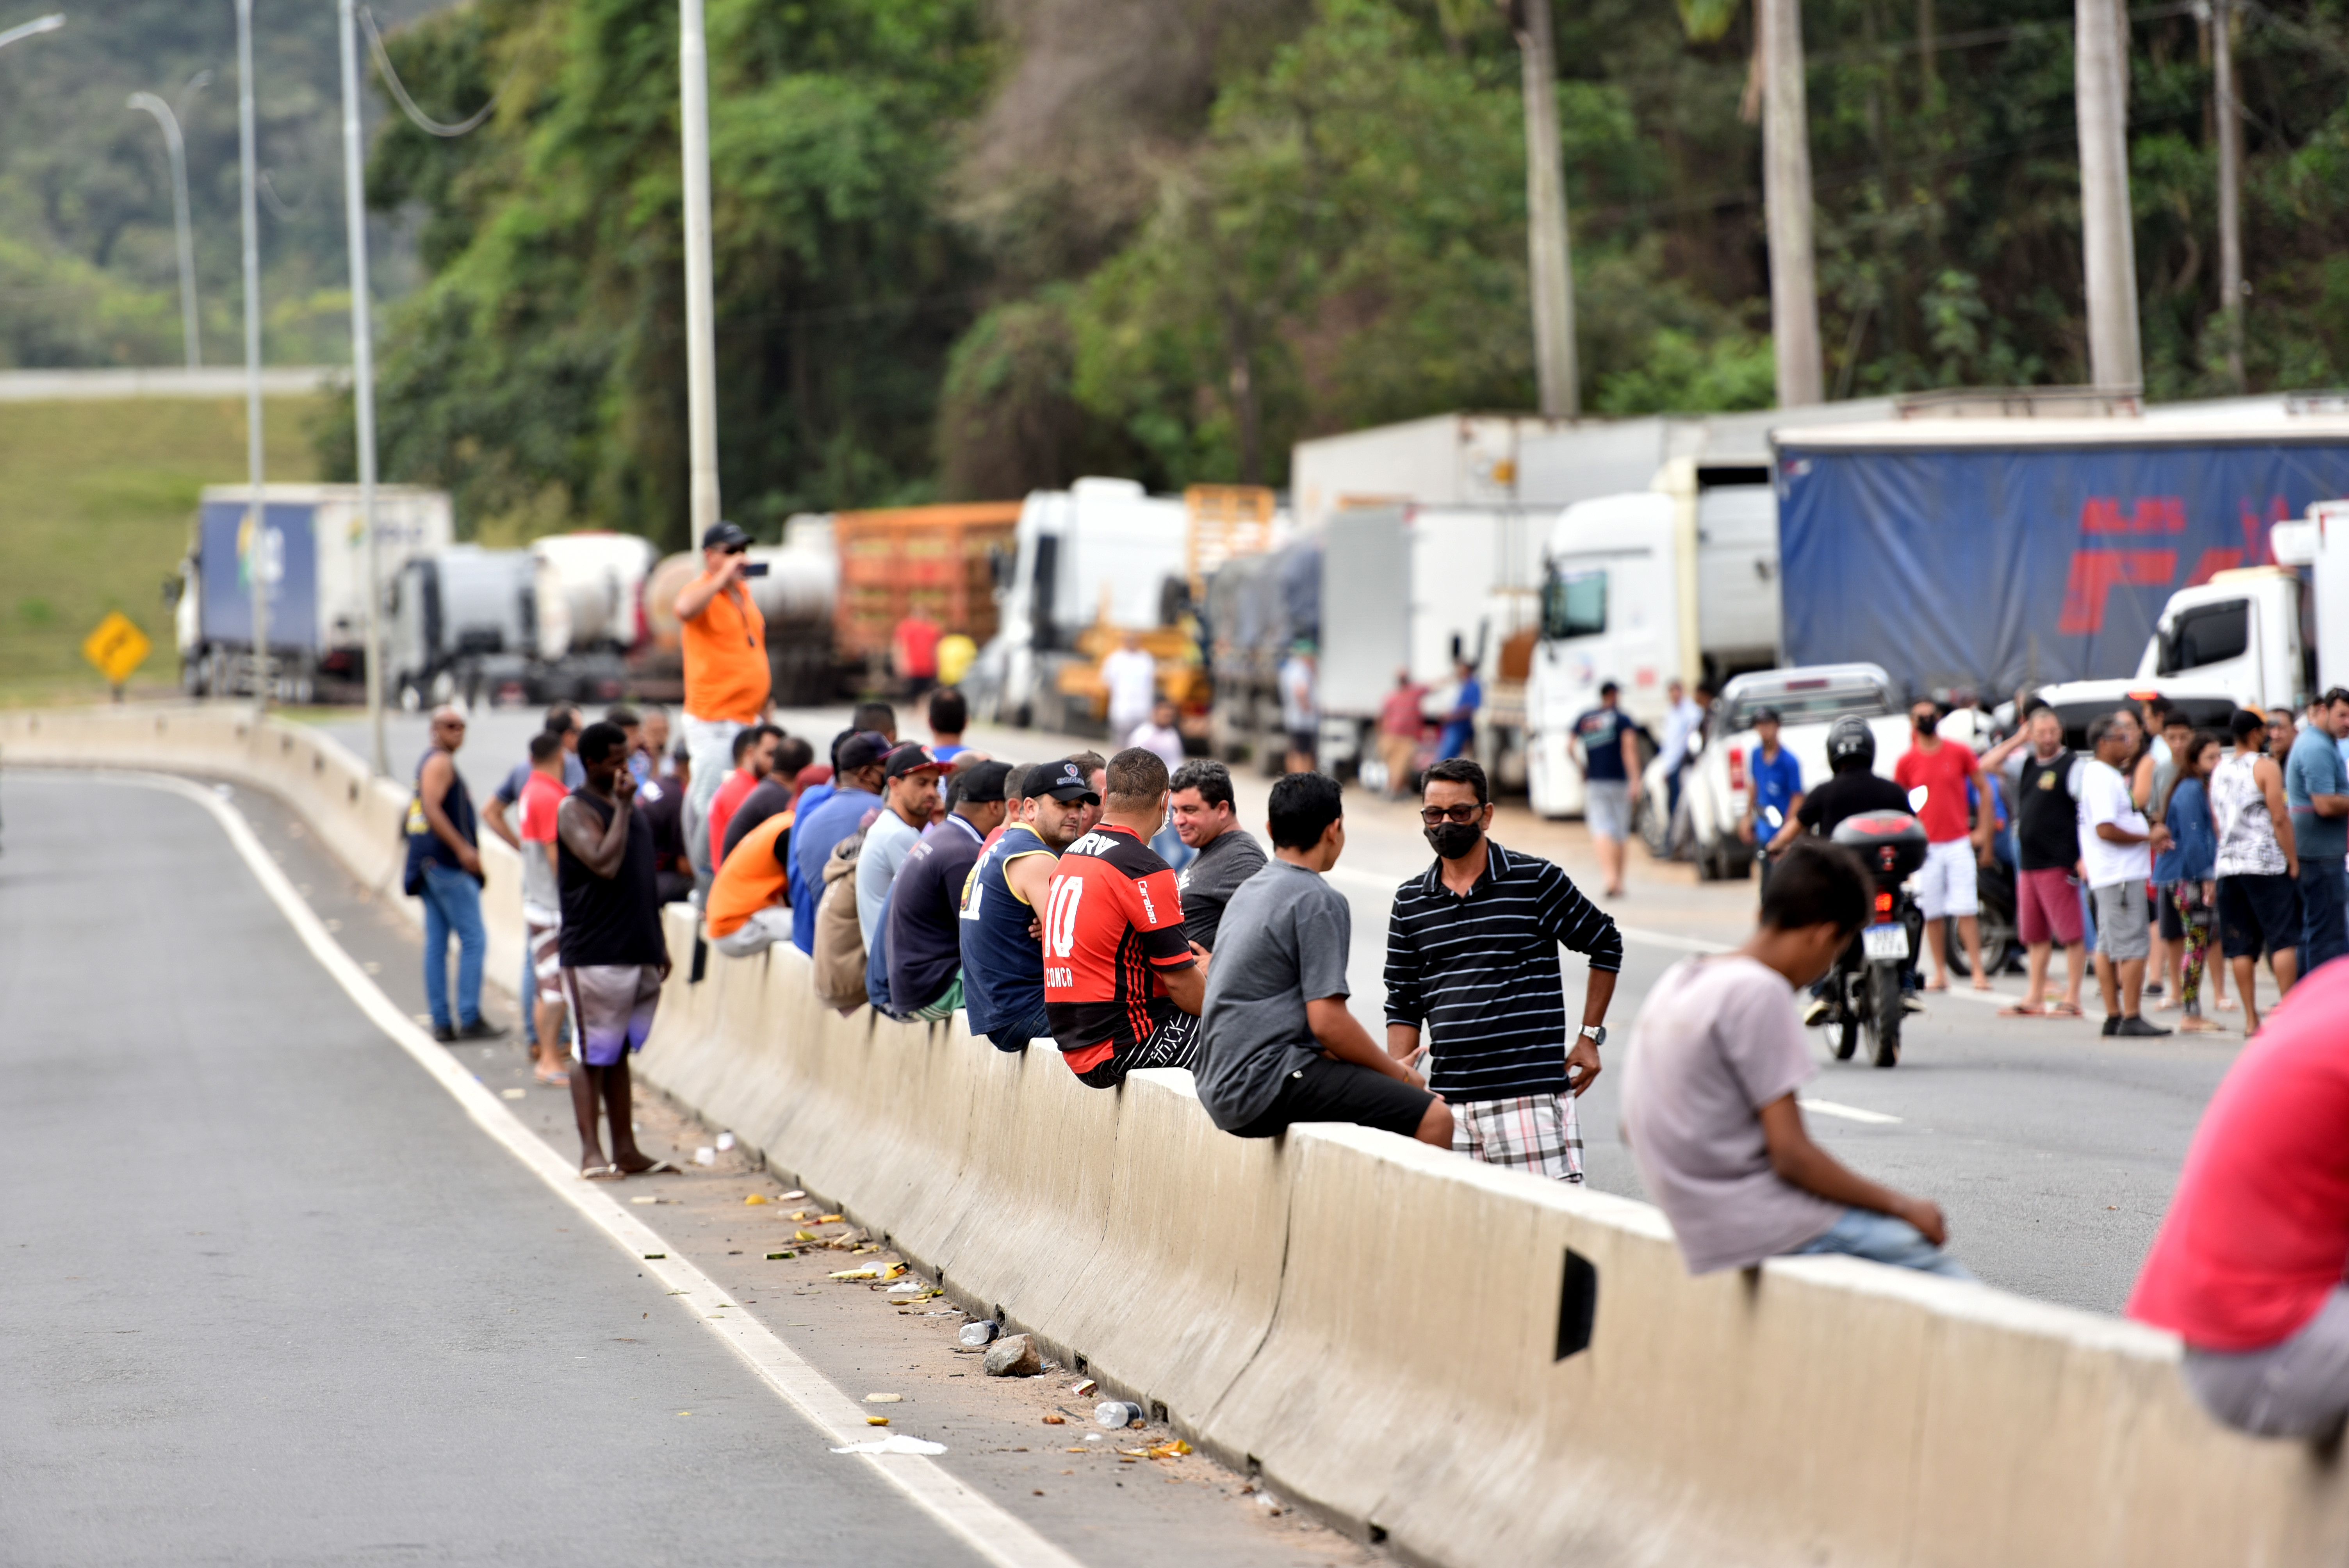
<point x="1925" y="725"/>
<point x="1451" y="840"/>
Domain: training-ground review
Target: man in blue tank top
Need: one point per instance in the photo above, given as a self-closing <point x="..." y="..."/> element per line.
<point x="1002" y="950"/>
<point x="444" y="870"/>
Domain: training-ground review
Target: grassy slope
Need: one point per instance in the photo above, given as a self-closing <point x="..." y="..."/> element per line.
<point x="95" y="499"/>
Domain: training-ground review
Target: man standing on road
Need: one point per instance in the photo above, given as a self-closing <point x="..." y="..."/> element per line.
<point x="2316" y="786"/>
<point x="727" y="679"/>
<point x="1278" y="1045"/>
<point x="1683" y="719"/>
<point x="1606" y="747"/>
<point x="1131" y="677"/>
<point x="910" y="794"/>
<point x="1709" y="1107"/>
<point x="1947" y="886"/>
<point x="614" y="954"/>
<point x="1299" y="718"/>
<point x="1003" y="902"/>
<point x="2257" y="865"/>
<point x="2116" y="850"/>
<point x="1471" y="957"/>
<point x="1773" y="787"/>
<point x="2043" y="781"/>
<point x="1224" y="854"/>
<point x="444" y="869"/>
<point x="542" y="903"/>
<point x="1458" y="738"/>
<point x="924" y="919"/>
<point x="2247" y="1266"/>
<point x="854" y="801"/>
<point x="1400" y="719"/>
<point x="913" y="648"/>
<point x="562" y="722"/>
<point x="1122" y="985"/>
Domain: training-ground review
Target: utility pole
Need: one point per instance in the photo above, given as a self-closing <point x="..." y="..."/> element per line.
<point x="700" y="310"/>
<point x="2230" y="117"/>
<point x="2100" y="75"/>
<point x="174" y="145"/>
<point x="1550" y="259"/>
<point x="258" y="559"/>
<point x="1786" y="205"/>
<point x="363" y="370"/>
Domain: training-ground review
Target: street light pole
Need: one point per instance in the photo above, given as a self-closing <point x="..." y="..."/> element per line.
<point x="2109" y="243"/>
<point x="700" y="310"/>
<point x="1551" y="265"/>
<point x="363" y="371"/>
<point x="179" y="151"/>
<point x="257" y="554"/>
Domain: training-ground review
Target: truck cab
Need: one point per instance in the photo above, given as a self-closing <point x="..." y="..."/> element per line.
<point x="2239" y="640"/>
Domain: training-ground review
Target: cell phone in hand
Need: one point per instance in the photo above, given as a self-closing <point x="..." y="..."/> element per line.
<point x="757" y="568"/>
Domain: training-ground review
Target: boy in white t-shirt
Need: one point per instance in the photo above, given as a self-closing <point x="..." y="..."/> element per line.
<point x="1709" y="1107"/>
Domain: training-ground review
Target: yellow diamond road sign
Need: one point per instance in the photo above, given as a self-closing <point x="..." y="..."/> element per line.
<point x="117" y="647"/>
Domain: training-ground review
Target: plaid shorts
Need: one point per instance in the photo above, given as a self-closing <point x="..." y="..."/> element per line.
<point x="1536" y="1133"/>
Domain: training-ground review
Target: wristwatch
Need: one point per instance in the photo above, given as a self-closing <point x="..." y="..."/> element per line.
<point x="1595" y="1033"/>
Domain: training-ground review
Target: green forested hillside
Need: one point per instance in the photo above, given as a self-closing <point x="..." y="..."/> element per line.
<point x="964" y="248"/>
<point x="88" y="273"/>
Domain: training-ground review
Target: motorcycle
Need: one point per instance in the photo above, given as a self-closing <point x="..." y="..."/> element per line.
<point x="1865" y="994"/>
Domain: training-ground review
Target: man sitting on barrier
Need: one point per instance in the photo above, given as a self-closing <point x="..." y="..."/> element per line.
<point x="924" y="914"/>
<point x="1002" y="958"/>
<point x="1123" y="984"/>
<point x="2248" y="1265"/>
<point x="1276" y="1043"/>
<point x="1709" y="1107"/>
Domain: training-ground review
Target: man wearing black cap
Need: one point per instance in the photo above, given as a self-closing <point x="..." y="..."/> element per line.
<point x="910" y="791"/>
<point x="1002" y="962"/>
<point x="855" y="802"/>
<point x="724" y="640"/>
<point x="925" y="937"/>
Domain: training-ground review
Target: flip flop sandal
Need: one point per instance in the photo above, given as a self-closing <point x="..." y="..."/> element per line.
<point x="2019" y="1011"/>
<point x="658" y="1167"/>
<point x="2062" y="1010"/>
<point x="601" y="1173"/>
<point x="553" y="1081"/>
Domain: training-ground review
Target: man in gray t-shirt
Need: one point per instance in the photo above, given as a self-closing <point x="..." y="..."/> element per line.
<point x="1276" y="1043"/>
<point x="1200" y="800"/>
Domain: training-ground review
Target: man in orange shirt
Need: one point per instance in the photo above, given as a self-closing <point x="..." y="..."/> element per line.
<point x="746" y="911"/>
<point x="725" y="675"/>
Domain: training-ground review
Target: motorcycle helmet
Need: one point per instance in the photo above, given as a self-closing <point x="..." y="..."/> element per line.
<point x="1850" y="743"/>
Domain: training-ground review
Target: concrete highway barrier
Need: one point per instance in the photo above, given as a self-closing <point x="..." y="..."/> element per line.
<point x="1472" y="1364"/>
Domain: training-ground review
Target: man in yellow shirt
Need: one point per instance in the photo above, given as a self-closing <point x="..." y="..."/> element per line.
<point x="725" y="675"/>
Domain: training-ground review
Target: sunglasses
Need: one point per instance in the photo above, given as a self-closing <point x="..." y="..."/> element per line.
<point x="1431" y="815"/>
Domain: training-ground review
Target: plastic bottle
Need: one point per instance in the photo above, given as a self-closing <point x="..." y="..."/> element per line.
<point x="1117" y="1414"/>
<point x="982" y="1332"/>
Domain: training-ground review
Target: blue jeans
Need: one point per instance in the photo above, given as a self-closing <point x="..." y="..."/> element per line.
<point x="2323" y="936"/>
<point x="453" y="907"/>
<point x="1016" y="1035"/>
<point x="1880" y="1238"/>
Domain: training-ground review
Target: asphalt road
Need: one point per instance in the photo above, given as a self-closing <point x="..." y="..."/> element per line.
<point x="2053" y="1150"/>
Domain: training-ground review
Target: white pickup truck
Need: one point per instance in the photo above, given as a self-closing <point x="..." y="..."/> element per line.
<point x="1808" y="701"/>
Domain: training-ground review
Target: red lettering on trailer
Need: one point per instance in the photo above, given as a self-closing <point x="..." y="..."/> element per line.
<point x="2096" y="572"/>
<point x="2214" y="561"/>
<point x="2147" y="514"/>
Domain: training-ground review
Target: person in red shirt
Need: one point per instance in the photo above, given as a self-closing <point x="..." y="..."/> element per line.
<point x="542" y="798"/>
<point x="914" y="645"/>
<point x="754" y="759"/>
<point x="1946" y="885"/>
<point x="2248" y="1266"/>
<point x="1400" y="723"/>
<point x="1123" y="984"/>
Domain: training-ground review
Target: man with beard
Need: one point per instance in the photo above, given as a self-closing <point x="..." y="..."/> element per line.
<point x="1472" y="956"/>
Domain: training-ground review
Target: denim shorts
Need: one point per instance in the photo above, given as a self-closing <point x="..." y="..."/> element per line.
<point x="1880" y="1238"/>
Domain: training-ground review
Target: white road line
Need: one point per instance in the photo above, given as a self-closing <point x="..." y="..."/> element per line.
<point x="1847" y="1112"/>
<point x="998" y="1537"/>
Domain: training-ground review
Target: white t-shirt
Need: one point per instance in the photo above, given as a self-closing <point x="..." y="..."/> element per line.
<point x="1167" y="743"/>
<point x="1717" y="1039"/>
<point x="2105" y="797"/>
<point x="1132" y="677"/>
<point x="887" y="842"/>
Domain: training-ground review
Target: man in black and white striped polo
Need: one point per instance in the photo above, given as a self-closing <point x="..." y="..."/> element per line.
<point x="1472" y="956"/>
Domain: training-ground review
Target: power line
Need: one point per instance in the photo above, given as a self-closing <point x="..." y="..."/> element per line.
<point x="423" y="121"/>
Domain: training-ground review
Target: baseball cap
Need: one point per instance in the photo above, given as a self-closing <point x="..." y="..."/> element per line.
<point x="982" y="781"/>
<point x="862" y="749"/>
<point x="724" y="536"/>
<point x="1063" y="780"/>
<point x="1768" y="715"/>
<point x="911" y="757"/>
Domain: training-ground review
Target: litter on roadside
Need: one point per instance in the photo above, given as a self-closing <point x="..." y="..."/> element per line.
<point x="979" y="1332"/>
<point x="792" y="1196"/>
<point x="705" y="1155"/>
<point x="894" y="1443"/>
<point x="1056" y="1420"/>
<point x="1083" y="1388"/>
<point x="876" y="1420"/>
<point x="756" y="1198"/>
<point x="803" y="1236"/>
<point x="647" y="1198"/>
<point x="725" y="1141"/>
<point x="1117" y="1414"/>
<point x="884" y="1399"/>
<point x="513" y="1093"/>
<point x="773" y="1256"/>
<point x="908" y="1287"/>
<point x="827" y="1219"/>
<point x="855" y="1274"/>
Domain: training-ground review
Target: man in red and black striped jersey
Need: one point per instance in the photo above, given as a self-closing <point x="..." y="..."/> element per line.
<point x="1123" y="984"/>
